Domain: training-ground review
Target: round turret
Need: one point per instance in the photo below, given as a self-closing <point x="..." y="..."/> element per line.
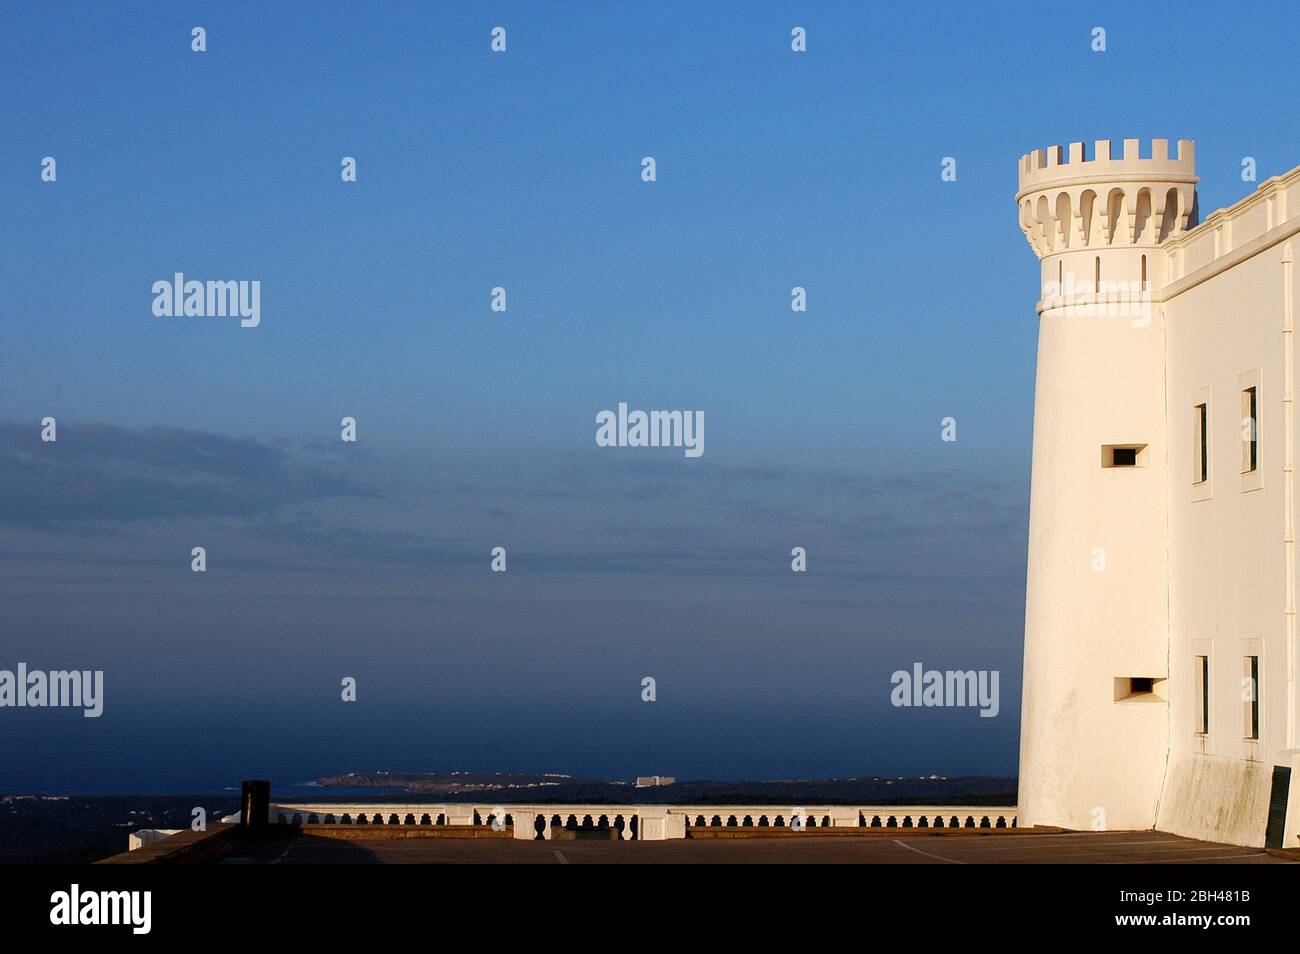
<point x="1097" y="589"/>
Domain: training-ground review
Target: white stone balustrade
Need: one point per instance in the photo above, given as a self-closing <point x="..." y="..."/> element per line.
<point x="643" y="822"/>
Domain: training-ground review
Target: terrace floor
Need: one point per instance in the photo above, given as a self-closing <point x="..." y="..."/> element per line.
<point x="1147" y="847"/>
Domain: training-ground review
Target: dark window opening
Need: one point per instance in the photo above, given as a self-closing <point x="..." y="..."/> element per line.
<point x="1139" y="689"/>
<point x="1123" y="455"/>
<point x="1252" y="704"/>
<point x="1202" y="449"/>
<point x="1203" y="700"/>
<point x="1249" y="431"/>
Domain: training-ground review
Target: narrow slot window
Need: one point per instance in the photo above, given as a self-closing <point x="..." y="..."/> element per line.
<point x="1249" y="430"/>
<point x="1139" y="689"/>
<point x="1200" y="444"/>
<point x="1250" y="696"/>
<point x="1123" y="455"/>
<point x="1202" y="695"/>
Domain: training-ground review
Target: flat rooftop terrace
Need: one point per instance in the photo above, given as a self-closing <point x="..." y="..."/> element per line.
<point x="1147" y="847"/>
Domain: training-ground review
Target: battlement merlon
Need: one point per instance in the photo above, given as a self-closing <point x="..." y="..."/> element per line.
<point x="1054" y="166"/>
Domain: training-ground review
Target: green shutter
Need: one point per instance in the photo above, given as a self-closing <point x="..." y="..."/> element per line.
<point x="1277" y="807"/>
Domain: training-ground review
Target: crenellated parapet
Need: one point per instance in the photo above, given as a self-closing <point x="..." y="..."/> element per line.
<point x="1071" y="200"/>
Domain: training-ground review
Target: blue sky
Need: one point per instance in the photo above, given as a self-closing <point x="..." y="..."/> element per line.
<point x="476" y="429"/>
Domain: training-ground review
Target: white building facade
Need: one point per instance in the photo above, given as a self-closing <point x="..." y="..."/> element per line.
<point x="1160" y="632"/>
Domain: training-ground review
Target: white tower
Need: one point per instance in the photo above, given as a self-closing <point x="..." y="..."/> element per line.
<point x="1094" y="730"/>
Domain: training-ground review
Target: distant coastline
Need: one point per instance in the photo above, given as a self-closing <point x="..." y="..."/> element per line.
<point x="556" y="787"/>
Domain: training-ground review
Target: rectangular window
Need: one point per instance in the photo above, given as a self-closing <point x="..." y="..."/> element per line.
<point x="1140" y="689"/>
<point x="1250" y="696"/>
<point x="1123" y="455"/>
<point x="1249" y="431"/>
<point x="1202" y="695"/>
<point x="1201" y="444"/>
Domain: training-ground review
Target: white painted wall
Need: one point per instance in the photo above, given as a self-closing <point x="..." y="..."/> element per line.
<point x="1227" y="569"/>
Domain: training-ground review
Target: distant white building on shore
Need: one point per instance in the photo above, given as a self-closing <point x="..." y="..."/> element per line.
<point x="654" y="781"/>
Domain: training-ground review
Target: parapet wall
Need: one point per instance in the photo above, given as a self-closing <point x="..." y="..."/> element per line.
<point x="1057" y="166"/>
<point x="1274" y="203"/>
